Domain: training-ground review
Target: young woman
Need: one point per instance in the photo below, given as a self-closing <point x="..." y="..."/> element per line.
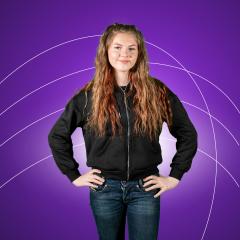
<point x="121" y="112"/>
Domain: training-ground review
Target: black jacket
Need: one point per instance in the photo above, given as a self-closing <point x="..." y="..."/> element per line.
<point x="127" y="158"/>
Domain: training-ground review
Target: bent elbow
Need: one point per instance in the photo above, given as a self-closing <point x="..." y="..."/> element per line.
<point x="195" y="134"/>
<point x="195" y="138"/>
<point x="51" y="137"/>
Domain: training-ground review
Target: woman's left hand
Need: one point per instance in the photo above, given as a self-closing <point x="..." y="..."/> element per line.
<point x="165" y="183"/>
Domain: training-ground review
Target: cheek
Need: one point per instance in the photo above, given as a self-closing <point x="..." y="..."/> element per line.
<point x="113" y="56"/>
<point x="135" y="59"/>
<point x="136" y="56"/>
<point x="112" y="59"/>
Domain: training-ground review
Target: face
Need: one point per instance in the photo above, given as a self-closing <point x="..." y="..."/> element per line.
<point x="123" y="52"/>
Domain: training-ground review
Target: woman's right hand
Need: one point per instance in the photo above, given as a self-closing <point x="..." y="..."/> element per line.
<point x="88" y="179"/>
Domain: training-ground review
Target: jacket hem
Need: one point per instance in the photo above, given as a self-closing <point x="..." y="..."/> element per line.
<point x="135" y="175"/>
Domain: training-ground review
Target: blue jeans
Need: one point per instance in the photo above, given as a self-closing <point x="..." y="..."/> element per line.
<point x="115" y="200"/>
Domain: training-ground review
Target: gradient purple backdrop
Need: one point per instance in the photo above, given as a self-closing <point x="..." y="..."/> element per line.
<point x="37" y="201"/>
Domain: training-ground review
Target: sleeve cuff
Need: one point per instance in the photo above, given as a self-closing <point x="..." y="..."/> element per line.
<point x="176" y="173"/>
<point x="73" y="174"/>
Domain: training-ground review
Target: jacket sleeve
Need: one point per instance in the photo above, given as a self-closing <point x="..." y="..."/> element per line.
<point x="59" y="137"/>
<point x="187" y="138"/>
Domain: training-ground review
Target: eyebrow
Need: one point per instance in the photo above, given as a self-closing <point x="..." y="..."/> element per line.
<point x="121" y="44"/>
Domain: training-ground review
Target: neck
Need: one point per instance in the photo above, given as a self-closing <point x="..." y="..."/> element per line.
<point x="121" y="78"/>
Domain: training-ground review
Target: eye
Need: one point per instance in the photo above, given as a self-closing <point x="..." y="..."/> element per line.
<point x="132" y="49"/>
<point x="117" y="47"/>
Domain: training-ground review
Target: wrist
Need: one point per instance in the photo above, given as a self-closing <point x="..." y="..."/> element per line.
<point x="173" y="179"/>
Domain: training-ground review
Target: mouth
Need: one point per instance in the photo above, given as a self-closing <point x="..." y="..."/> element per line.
<point x="124" y="61"/>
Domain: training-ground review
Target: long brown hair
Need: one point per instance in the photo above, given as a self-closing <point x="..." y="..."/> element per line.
<point x="150" y="103"/>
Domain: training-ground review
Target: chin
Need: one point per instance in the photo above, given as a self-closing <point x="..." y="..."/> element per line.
<point x="122" y="69"/>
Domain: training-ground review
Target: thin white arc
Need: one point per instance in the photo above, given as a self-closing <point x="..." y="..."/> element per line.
<point x="208" y="155"/>
<point x="38" y="120"/>
<point x="215" y="142"/>
<point x="30" y="93"/>
<point x="214" y="85"/>
<point x="24" y="170"/>
<point x="208" y="112"/>
<point x="221" y="166"/>
<point x="81" y="144"/>
<point x="214" y="119"/>
<point x="41" y="53"/>
<point x="73" y="73"/>
<point x="30" y="166"/>
<point x="97" y="35"/>
<point x="29" y="125"/>
<point x="63" y="109"/>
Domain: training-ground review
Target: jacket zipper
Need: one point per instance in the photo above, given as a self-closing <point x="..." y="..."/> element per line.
<point x="125" y="101"/>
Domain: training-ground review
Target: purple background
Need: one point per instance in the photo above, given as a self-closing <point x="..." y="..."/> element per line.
<point x="37" y="201"/>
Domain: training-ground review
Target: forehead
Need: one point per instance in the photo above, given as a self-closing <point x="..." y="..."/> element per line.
<point x="124" y="39"/>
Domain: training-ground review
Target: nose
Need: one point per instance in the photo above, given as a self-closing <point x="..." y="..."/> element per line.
<point x="124" y="52"/>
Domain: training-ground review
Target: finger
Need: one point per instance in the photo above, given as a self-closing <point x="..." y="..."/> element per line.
<point x="96" y="170"/>
<point x="147" y="183"/>
<point x="99" y="178"/>
<point x="156" y="186"/>
<point x="159" y="193"/>
<point x="153" y="181"/>
<point x="96" y="181"/>
<point x="92" y="185"/>
<point x="147" y="178"/>
<point x="151" y="188"/>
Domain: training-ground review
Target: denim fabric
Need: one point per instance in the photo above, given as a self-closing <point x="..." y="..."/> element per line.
<point x="115" y="201"/>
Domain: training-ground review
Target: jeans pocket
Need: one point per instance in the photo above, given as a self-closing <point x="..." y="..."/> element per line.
<point x="99" y="188"/>
<point x="143" y="189"/>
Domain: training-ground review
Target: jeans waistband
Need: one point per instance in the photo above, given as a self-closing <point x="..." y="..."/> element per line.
<point x="125" y="182"/>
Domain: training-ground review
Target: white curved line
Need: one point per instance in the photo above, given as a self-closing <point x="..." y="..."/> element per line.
<point x="55" y="80"/>
<point x="41" y="53"/>
<point x="214" y="137"/>
<point x="79" y="145"/>
<point x="30" y="166"/>
<point x="207" y="111"/>
<point x="29" y="125"/>
<point x="221" y="166"/>
<point x="73" y="73"/>
<point x="214" y="119"/>
<point x="208" y="155"/>
<point x="38" y="120"/>
<point x="97" y="35"/>
<point x="205" y="79"/>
